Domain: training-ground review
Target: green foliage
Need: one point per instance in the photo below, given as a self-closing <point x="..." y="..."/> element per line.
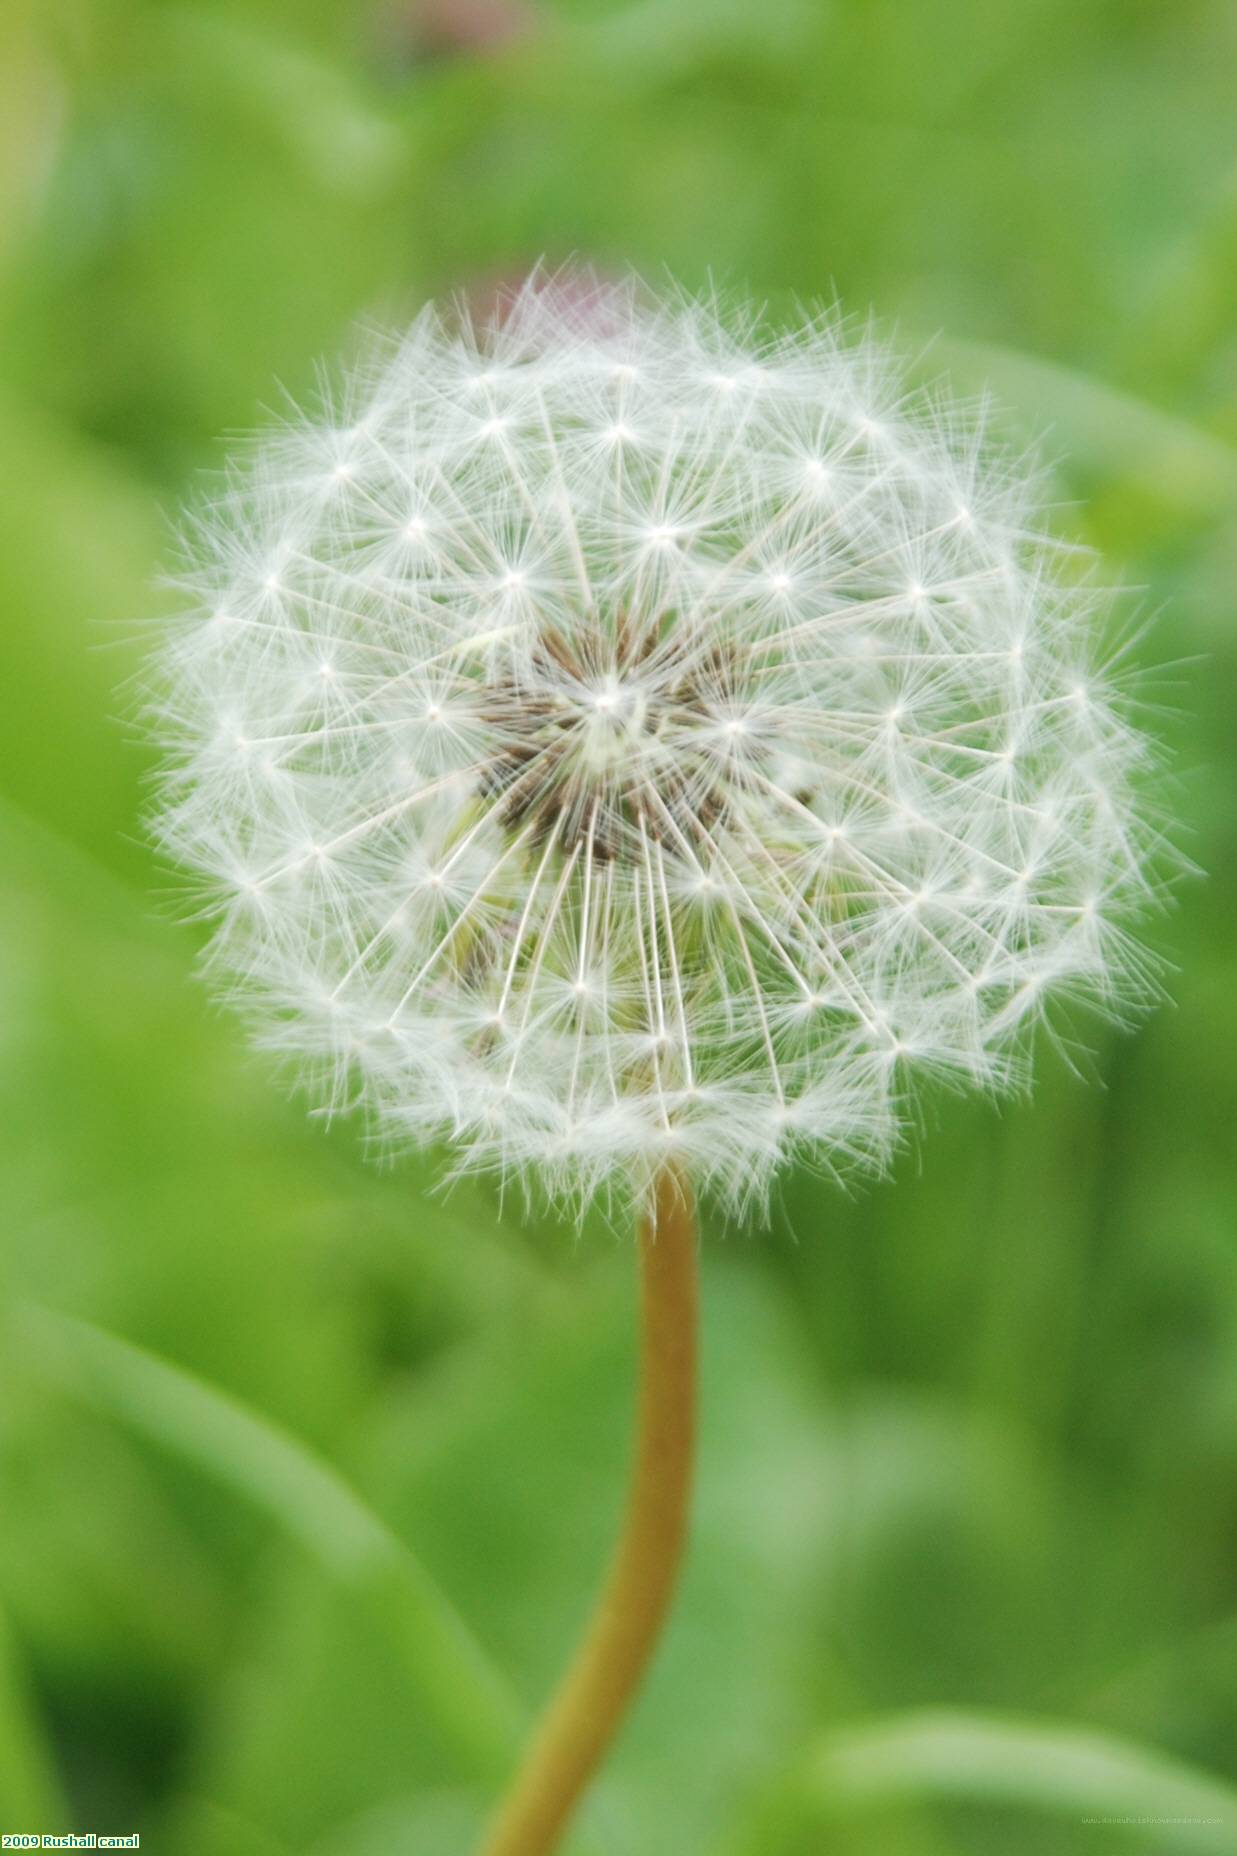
<point x="308" y="1470"/>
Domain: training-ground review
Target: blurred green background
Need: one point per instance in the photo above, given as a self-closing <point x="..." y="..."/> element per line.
<point x="307" y="1475"/>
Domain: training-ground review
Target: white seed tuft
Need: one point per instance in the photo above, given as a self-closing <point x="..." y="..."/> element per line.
<point x="613" y="737"/>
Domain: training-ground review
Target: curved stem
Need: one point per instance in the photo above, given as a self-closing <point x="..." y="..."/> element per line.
<point x="593" y="1696"/>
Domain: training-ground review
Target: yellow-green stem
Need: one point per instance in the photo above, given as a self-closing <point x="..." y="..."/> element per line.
<point x="593" y="1696"/>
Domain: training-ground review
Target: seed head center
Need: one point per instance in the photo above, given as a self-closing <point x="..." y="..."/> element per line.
<point x="609" y="731"/>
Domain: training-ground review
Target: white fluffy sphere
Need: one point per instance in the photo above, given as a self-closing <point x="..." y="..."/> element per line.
<point x="614" y="735"/>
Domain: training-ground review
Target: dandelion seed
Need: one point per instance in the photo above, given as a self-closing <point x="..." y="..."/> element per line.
<point x="594" y="843"/>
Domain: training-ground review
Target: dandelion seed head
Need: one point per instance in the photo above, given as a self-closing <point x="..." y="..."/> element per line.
<point x="583" y="798"/>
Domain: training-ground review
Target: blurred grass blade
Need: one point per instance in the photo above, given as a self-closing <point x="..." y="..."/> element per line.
<point x="454" y="1679"/>
<point x="1047" y="1766"/>
<point x="1115" y="429"/>
<point x="327" y="120"/>
<point x="29" y="1794"/>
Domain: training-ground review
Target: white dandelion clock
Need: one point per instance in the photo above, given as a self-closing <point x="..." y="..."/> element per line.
<point x="633" y="748"/>
<point x="610" y="739"/>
